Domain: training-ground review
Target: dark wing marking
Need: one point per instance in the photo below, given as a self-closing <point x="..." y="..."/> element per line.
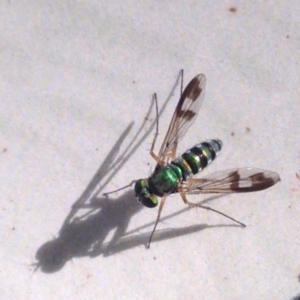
<point x="232" y="181"/>
<point x="184" y="115"/>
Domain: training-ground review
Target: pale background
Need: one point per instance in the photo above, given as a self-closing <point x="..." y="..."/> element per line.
<point x="74" y="75"/>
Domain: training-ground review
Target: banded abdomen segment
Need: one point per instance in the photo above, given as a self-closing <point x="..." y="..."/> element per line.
<point x="197" y="158"/>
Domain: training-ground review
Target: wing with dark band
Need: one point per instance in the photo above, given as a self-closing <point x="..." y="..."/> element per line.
<point x="232" y="181"/>
<point x="183" y="117"/>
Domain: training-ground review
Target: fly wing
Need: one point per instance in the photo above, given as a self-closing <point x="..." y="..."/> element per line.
<point x="183" y="117"/>
<point x="232" y="181"/>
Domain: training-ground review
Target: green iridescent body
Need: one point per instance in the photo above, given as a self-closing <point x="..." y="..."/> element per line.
<point x="173" y="175"/>
<point x="165" y="180"/>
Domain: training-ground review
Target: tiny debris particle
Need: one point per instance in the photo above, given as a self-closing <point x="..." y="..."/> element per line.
<point x="232" y="9"/>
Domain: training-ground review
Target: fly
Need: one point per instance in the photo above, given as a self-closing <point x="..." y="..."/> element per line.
<point x="176" y="174"/>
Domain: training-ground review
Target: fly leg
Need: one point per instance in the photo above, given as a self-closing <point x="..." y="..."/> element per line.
<point x="156" y="130"/>
<point x="182" y="194"/>
<point x="162" y="202"/>
<point x="122" y="188"/>
<point x="161" y="160"/>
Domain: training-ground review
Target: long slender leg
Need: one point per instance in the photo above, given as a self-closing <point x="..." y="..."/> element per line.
<point x="161" y="205"/>
<point x="209" y="208"/>
<point x="156" y="130"/>
<point x="156" y="158"/>
<point x="122" y="188"/>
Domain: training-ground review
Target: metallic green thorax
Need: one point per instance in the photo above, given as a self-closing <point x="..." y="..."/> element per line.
<point x="166" y="179"/>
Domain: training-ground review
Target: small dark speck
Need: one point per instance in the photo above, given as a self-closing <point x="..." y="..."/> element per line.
<point x="232" y="133"/>
<point x="154" y="258"/>
<point x="133" y="82"/>
<point x="232" y="9"/>
<point x="287" y="36"/>
<point x="297" y="175"/>
<point x="248" y="129"/>
<point x="14" y="228"/>
<point x="4" y="150"/>
<point x="97" y="149"/>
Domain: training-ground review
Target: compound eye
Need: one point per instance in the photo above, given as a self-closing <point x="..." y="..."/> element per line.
<point x="150" y="201"/>
<point x="140" y="186"/>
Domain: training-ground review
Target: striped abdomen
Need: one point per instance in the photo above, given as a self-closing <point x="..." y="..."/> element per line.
<point x="197" y="158"/>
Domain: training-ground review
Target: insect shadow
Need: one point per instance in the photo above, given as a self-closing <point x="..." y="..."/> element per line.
<point x="85" y="234"/>
<point x="297" y="297"/>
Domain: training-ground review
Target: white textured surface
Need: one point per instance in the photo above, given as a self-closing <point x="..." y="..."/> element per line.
<point x="73" y="76"/>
